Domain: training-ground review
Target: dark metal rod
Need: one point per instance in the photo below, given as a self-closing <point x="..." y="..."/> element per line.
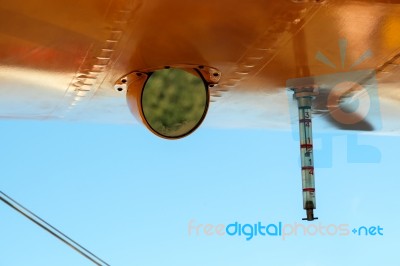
<point x="51" y="229"/>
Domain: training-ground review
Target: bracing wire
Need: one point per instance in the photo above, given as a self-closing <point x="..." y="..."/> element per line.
<point x="52" y="230"/>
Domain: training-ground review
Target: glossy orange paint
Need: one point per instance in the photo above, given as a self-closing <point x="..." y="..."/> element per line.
<point x="60" y="59"/>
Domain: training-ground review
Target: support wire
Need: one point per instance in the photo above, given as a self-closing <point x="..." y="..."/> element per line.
<point x="52" y="230"/>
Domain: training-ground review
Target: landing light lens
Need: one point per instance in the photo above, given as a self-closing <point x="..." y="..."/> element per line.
<point x="171" y="102"/>
<point x="174" y="102"/>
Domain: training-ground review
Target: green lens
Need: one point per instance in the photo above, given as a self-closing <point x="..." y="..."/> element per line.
<point x="174" y="102"/>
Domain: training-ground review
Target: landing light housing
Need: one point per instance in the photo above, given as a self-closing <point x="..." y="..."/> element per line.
<point x="171" y="101"/>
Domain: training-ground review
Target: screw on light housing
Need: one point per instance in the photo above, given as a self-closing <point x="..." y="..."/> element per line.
<point x="121" y="85"/>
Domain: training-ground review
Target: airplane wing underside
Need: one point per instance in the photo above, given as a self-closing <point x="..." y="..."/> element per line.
<point x="60" y="59"/>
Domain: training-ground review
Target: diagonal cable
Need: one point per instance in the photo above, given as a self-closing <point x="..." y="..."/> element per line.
<point x="51" y="229"/>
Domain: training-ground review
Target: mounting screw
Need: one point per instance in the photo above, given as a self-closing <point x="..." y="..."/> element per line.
<point x="120" y="87"/>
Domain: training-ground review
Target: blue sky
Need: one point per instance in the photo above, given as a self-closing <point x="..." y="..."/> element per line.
<point x="128" y="196"/>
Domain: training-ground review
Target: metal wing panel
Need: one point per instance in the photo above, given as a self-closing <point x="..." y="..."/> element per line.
<point x="59" y="60"/>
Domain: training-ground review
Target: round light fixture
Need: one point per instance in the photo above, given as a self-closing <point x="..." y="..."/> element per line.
<point x="172" y="101"/>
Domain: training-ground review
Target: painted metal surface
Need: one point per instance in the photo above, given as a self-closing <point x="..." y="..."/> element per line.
<point x="60" y="59"/>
